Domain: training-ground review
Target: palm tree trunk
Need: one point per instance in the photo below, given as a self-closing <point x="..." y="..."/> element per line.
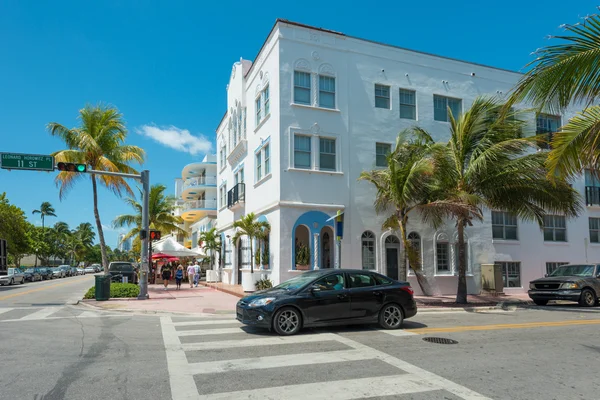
<point x="416" y="266"/>
<point x="461" y="292"/>
<point x="251" y="257"/>
<point x="402" y="273"/>
<point x="99" y="226"/>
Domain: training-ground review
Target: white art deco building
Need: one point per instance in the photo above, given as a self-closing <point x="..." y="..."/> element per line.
<point x="315" y="109"/>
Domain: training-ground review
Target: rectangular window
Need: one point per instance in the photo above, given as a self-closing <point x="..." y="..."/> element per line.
<point x="592" y="187"/>
<point x="382" y="96"/>
<point x="511" y="273"/>
<point x="441" y="105"/>
<point x="555" y="228"/>
<point x="594" y="230"/>
<point x="223" y="156"/>
<point x="258" y="166"/>
<point x="265" y="97"/>
<point x="551" y="266"/>
<point x="301" y="87"/>
<point x="368" y="254"/>
<point x="258" y="110"/>
<point x="327" y="154"/>
<point x="546" y="124"/>
<point x="381" y="152"/>
<point x="223" y="196"/>
<point x="408" y="104"/>
<point x="326" y="91"/>
<point x="302" y="153"/>
<point x="443" y="256"/>
<point x="267" y="159"/>
<point x="504" y="226"/>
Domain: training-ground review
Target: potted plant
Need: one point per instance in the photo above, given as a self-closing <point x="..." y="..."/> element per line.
<point x="263" y="284"/>
<point x="302" y="258"/>
<point x="265" y="257"/>
<point x="257" y="257"/>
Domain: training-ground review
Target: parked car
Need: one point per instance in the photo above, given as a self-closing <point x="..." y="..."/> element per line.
<point x="66" y="269"/>
<point x="576" y="282"/>
<point x="80" y="271"/>
<point x="74" y="271"/>
<point x="58" y="273"/>
<point x="329" y="297"/>
<point x="97" y="267"/>
<point x="119" y="269"/>
<point x="13" y="276"/>
<point x="32" y="275"/>
<point x="90" y="270"/>
<point x="46" y="273"/>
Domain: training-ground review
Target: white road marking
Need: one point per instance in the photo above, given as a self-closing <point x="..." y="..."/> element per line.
<point x="5" y="310"/>
<point x="396" y="332"/>
<point x="230" y="344"/>
<point x="202" y="332"/>
<point x="40" y="314"/>
<point x="207" y="322"/>
<point x="88" y="314"/>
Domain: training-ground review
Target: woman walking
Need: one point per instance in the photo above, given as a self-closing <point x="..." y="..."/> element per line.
<point x="179" y="276"/>
<point x="166" y="275"/>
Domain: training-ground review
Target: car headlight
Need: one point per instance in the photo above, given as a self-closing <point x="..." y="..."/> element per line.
<point x="261" y="302"/>
<point x="532" y="286"/>
<point x="569" y="285"/>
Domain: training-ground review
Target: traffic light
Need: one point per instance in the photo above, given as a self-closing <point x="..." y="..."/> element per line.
<point x="71" y="167"/>
<point x="154" y="235"/>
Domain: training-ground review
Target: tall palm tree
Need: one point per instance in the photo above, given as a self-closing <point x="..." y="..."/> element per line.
<point x="562" y="75"/>
<point x="211" y="241"/>
<point x="46" y="210"/>
<point x="253" y="229"/>
<point x="98" y="142"/>
<point x="160" y="214"/>
<point x="405" y="186"/>
<point x="60" y="232"/>
<point x="488" y="164"/>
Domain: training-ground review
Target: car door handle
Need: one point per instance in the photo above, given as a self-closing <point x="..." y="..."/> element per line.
<point x="377" y="293"/>
<point x="342" y="296"/>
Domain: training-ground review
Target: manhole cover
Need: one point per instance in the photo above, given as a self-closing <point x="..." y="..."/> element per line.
<point x="439" y="340"/>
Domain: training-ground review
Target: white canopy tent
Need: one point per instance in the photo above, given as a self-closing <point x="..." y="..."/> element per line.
<point x="170" y="246"/>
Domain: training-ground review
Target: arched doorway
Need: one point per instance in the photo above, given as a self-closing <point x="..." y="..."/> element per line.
<point x="392" y="255"/>
<point x="327" y="247"/>
<point x="302" y="248"/>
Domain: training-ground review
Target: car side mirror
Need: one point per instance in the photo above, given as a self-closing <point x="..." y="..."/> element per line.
<point x="315" y="289"/>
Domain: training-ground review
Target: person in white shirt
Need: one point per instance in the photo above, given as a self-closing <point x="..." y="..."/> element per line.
<point x="191" y="272"/>
<point x="196" y="273"/>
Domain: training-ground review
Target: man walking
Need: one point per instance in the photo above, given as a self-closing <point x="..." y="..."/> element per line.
<point x="191" y="273"/>
<point x="196" y="273"/>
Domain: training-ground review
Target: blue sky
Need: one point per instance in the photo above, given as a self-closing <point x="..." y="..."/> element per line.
<point x="166" y="64"/>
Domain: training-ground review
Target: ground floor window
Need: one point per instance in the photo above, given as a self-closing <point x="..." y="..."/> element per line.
<point x="511" y="273"/>
<point x="551" y="266"/>
<point x="368" y="250"/>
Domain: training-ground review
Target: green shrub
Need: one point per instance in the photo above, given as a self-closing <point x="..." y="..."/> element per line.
<point x="263" y="284"/>
<point x="117" y="291"/>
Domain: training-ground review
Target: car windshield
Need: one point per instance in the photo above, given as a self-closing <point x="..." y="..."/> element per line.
<point x="121" y="267"/>
<point x="574" y="270"/>
<point x="29" y="270"/>
<point x="297" y="282"/>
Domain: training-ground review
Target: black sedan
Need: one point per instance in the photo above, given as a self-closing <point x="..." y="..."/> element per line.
<point x="329" y="297"/>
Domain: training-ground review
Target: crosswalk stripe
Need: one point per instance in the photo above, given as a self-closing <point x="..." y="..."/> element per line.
<point x="87" y="314"/>
<point x="285" y="360"/>
<point x="230" y="344"/>
<point x="201" y="332"/>
<point x="340" y="390"/>
<point x="396" y="332"/>
<point x="5" y="310"/>
<point x="41" y="314"/>
<point x="208" y="322"/>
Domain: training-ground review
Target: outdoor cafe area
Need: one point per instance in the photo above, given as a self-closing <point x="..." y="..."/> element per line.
<point x="168" y="253"/>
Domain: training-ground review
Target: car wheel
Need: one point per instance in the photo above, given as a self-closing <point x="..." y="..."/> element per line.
<point x="11" y="282"/>
<point x="588" y="298"/>
<point x="391" y="317"/>
<point x="541" y="302"/>
<point x="22" y="280"/>
<point x="287" y="321"/>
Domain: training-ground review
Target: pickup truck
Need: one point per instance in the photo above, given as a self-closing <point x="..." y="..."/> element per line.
<point x="120" y="269"/>
<point x="14" y="276"/>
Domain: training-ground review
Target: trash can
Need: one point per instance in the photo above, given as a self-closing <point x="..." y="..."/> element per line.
<point x="102" y="287"/>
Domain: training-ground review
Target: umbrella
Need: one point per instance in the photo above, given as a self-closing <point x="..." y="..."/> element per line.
<point x="170" y="247"/>
<point x="159" y="256"/>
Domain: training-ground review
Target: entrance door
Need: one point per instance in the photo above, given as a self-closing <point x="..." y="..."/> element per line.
<point x="239" y="261"/>
<point x="391" y="257"/>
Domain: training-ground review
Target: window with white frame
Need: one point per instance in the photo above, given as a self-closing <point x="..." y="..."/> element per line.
<point x="223" y="195"/>
<point x="408" y="104"/>
<point x="414" y="240"/>
<point x="381" y="152"/>
<point x="326" y="91"/>
<point x="263" y="162"/>
<point x="265" y="98"/>
<point x="222" y="156"/>
<point x="551" y="266"/>
<point x="442" y="256"/>
<point x="511" y="273"/>
<point x="302" y="151"/>
<point x="258" y="110"/>
<point x="504" y="226"/>
<point x="594" y="224"/>
<point x="302" y="87"/>
<point x="382" y="96"/>
<point x="368" y="250"/>
<point x="267" y="159"/>
<point x="239" y="176"/>
<point x="555" y="228"/>
<point x="441" y="105"/>
<point x="327" y="160"/>
<point x="258" y="158"/>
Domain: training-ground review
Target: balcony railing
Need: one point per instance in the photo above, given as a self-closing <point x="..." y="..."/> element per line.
<point x="200" y="204"/>
<point x="202" y="180"/>
<point x="236" y="195"/>
<point x="592" y="195"/>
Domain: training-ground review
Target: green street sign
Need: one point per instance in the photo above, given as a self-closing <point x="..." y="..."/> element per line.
<point x="32" y="162"/>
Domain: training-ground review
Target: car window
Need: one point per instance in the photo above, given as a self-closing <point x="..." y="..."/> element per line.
<point x="382" y="280"/>
<point x="121" y="267"/>
<point x="331" y="282"/>
<point x="361" y="280"/>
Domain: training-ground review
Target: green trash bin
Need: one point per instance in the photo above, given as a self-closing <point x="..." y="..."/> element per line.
<point x="102" y="287"/>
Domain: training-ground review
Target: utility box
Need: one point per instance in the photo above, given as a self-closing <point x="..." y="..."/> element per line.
<point x="491" y="278"/>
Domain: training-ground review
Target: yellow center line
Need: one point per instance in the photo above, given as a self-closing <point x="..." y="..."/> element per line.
<point x="504" y="326"/>
<point x="39" y="289"/>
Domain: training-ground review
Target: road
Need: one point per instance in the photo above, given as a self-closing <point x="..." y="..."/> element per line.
<point x="54" y="350"/>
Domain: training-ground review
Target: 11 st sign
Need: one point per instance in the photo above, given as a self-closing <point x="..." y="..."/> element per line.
<point x="32" y="162"/>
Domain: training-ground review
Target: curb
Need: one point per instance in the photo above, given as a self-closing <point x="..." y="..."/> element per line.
<point x="222" y="290"/>
<point x="505" y="306"/>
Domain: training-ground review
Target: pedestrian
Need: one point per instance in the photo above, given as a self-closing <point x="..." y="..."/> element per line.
<point x="190" y="272"/>
<point x="196" y="273"/>
<point x="166" y="275"/>
<point x="179" y="276"/>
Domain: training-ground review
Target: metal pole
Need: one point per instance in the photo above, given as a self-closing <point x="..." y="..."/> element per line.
<point x="146" y="241"/>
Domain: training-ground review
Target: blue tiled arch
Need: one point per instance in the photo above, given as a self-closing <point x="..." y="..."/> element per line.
<point x="309" y="219"/>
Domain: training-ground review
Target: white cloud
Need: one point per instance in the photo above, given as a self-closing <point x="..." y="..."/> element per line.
<point x="176" y="138"/>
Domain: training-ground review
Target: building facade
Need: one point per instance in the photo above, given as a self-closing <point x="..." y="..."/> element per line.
<point x="124" y="244"/>
<point x="314" y="110"/>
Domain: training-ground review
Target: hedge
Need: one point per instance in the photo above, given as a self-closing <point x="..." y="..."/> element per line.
<point x="117" y="290"/>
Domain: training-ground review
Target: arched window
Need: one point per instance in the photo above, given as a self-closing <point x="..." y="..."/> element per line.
<point x="368" y="250"/>
<point x="392" y="240"/>
<point x="414" y="241"/>
<point x="442" y="254"/>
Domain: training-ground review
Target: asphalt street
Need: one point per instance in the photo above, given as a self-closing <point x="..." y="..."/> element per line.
<point x="52" y="349"/>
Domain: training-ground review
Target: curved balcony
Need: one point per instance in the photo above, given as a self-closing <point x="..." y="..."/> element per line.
<point x="192" y="187"/>
<point x="196" y="169"/>
<point x="196" y="209"/>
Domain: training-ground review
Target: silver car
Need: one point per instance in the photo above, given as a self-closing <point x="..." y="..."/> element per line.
<point x="14" y="276"/>
<point x="58" y="273"/>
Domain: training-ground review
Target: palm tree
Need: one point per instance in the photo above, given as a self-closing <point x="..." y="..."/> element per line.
<point x="211" y="241"/>
<point x="46" y="210"/>
<point x="248" y="226"/>
<point x="99" y="143"/>
<point x="405" y="186"/>
<point x="60" y="232"/>
<point x="488" y="164"/>
<point x="566" y="74"/>
<point x="160" y="214"/>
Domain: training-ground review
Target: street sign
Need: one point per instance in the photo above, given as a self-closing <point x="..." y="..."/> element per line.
<point x="32" y="162"/>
